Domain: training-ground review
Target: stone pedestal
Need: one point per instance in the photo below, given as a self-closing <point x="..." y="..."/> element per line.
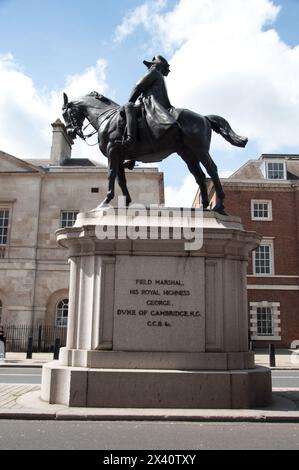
<point x="157" y="321"/>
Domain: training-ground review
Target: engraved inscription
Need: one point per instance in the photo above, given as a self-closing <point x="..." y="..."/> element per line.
<point x="150" y="299"/>
<point x="159" y="304"/>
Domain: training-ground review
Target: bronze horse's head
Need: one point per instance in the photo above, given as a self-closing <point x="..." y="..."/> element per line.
<point x="73" y="117"/>
<point x="74" y="112"/>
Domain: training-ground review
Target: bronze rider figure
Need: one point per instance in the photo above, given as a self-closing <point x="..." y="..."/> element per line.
<point x="152" y="94"/>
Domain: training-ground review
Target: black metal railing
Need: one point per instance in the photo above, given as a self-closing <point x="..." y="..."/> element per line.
<point x="43" y="337"/>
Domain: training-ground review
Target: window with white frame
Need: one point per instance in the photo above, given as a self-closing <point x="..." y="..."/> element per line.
<point x="263" y="259"/>
<point x="62" y="311"/>
<point x="4" y="219"/>
<point x="264" y="317"/>
<point x="276" y="170"/>
<point x="261" y="210"/>
<point x="265" y="320"/>
<point x="68" y="218"/>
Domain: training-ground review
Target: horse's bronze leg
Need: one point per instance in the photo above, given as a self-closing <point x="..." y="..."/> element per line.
<point x="211" y="168"/>
<point x="194" y="167"/>
<point x="113" y="168"/>
<point x="121" y="179"/>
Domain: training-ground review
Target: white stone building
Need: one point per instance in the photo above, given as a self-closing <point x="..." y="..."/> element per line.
<point x="36" y="198"/>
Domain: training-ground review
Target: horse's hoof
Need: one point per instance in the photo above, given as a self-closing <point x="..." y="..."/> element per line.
<point x="219" y="208"/>
<point x="103" y="205"/>
<point x="222" y="212"/>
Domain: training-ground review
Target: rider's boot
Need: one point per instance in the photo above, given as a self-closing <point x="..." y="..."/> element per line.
<point x="129" y="141"/>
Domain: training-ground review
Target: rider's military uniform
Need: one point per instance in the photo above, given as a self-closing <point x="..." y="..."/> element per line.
<point x="153" y="100"/>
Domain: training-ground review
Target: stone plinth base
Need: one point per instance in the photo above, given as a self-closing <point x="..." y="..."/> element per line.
<point x="156" y="360"/>
<point x="147" y="388"/>
<point x="157" y="321"/>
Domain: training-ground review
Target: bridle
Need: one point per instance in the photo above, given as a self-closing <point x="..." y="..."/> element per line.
<point x="76" y="126"/>
<point x="75" y="123"/>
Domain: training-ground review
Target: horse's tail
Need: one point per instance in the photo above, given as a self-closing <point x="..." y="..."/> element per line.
<point x="222" y="127"/>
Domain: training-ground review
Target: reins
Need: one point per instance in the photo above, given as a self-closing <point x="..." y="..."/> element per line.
<point x="84" y="137"/>
<point x="87" y="136"/>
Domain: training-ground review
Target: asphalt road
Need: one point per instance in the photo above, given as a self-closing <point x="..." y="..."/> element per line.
<point x="285" y="378"/>
<point x="28" y="375"/>
<point x="20" y="375"/>
<point x="84" y="435"/>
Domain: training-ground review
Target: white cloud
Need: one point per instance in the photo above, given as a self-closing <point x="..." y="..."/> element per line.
<point x="26" y="113"/>
<point x="93" y="78"/>
<point x="227" y="59"/>
<point x="215" y="20"/>
<point x="182" y="196"/>
<point x="145" y="15"/>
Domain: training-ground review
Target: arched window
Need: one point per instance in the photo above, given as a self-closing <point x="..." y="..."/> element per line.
<point x="62" y="310"/>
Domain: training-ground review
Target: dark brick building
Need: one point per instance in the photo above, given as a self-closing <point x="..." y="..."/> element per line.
<point x="265" y="194"/>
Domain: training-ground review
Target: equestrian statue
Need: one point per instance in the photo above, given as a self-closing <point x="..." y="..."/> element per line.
<point x="149" y="131"/>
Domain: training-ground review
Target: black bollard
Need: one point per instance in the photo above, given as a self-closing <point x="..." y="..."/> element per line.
<point x="56" y="348"/>
<point x="272" y="355"/>
<point x="39" y="339"/>
<point x="29" y="348"/>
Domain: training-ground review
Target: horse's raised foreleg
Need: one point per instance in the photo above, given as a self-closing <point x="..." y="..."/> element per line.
<point x="113" y="168"/>
<point x="195" y="169"/>
<point x="121" y="179"/>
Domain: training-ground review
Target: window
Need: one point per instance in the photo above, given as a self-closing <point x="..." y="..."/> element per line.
<point x="275" y="170"/>
<point x="265" y="320"/>
<point x="262" y="262"/>
<point x="68" y="218"/>
<point x="261" y="210"/>
<point x="4" y="216"/>
<point x="62" y="311"/>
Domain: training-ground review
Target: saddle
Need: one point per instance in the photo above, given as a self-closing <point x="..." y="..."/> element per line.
<point x="113" y="128"/>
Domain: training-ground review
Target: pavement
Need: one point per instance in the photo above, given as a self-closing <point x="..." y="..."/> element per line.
<point x="22" y="401"/>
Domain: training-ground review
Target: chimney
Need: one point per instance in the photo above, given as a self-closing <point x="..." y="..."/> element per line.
<point x="61" y="149"/>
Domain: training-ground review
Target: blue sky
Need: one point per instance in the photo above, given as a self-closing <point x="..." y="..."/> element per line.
<point x="227" y="57"/>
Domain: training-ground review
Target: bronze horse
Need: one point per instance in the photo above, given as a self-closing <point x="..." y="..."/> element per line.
<point x="189" y="137"/>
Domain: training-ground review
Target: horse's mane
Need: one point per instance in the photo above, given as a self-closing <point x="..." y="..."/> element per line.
<point x="93" y="100"/>
<point x="77" y="103"/>
<point x="102" y="98"/>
